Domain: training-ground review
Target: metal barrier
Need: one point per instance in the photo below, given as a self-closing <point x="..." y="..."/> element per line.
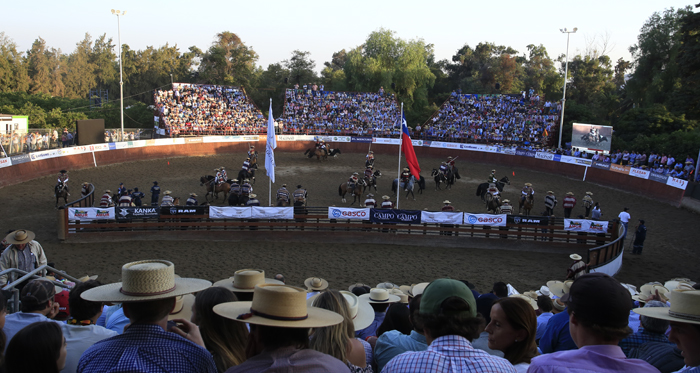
<point x="605" y="254"/>
<point x="14" y="303"/>
<point x="87" y="201"/>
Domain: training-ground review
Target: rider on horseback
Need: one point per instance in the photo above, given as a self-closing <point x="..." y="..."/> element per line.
<point x="217" y="178"/>
<point x="493" y="189"/>
<point x="369" y="174"/>
<point x="251" y="152"/>
<point x="451" y="162"/>
<point x="444" y="168"/>
<point x="370" y="158"/>
<point x="224" y="175"/>
<point x="62" y="181"/>
<point x="353" y="179"/>
<point x="406" y="179"/>
<point x="168" y="200"/>
<point x="283" y="194"/>
<point x="323" y="146"/>
<point x="527" y="189"/>
<point x="492" y="177"/>
<point x="300" y="195"/>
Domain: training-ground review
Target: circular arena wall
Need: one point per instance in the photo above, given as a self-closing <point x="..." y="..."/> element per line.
<point x="22" y="172"/>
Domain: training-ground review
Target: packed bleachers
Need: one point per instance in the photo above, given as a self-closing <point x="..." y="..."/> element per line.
<point x="199" y="109"/>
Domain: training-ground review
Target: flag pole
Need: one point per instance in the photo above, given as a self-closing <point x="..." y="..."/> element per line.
<point x="269" y="179"/>
<point x="398" y="179"/>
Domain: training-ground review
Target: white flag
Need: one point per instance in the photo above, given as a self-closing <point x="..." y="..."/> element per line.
<point x="270" y="147"/>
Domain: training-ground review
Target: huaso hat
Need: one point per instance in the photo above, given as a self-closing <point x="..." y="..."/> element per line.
<point x="559" y="288"/>
<point x="146" y="280"/>
<point x="379" y="296"/>
<point x="183" y="307"/>
<point x="526" y="298"/>
<point x="685" y="308"/>
<point x="575" y="257"/>
<point x="418" y="289"/>
<point x="316" y="283"/>
<point x="279" y="306"/>
<point x="20" y="237"/>
<point x="647" y="290"/>
<point x="244" y="280"/>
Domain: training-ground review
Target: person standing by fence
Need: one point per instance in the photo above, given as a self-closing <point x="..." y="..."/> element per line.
<point x="155" y="194"/>
<point x="640" y="234"/>
<point x="569" y="203"/>
<point x="624" y="219"/>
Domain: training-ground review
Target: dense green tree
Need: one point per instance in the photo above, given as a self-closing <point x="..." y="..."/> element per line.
<point x="13" y="71"/>
<point x="686" y="99"/>
<point x="38" y="68"/>
<point x="479" y="70"/>
<point x="56" y="62"/>
<point x="301" y="68"/>
<point x="228" y="61"/>
<point x="106" y="65"/>
<point x="80" y="74"/>
<point x="540" y="73"/>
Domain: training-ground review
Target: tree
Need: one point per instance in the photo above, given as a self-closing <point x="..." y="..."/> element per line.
<point x="301" y="68"/>
<point x="540" y="73"/>
<point x="686" y="99"/>
<point x="106" y="65"/>
<point x="38" y="68"/>
<point x="478" y="70"/>
<point x="13" y="71"/>
<point x="228" y="61"/>
<point x="80" y="75"/>
<point x="56" y="62"/>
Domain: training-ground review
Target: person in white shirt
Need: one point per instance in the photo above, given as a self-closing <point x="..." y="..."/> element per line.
<point x="624" y="219"/>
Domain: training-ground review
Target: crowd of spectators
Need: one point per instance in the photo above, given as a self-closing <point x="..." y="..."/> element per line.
<point x="310" y="110"/>
<point x="145" y="323"/>
<point x="199" y="109"/>
<point x="45" y="139"/>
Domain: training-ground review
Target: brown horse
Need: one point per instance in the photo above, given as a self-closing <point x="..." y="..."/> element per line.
<point x="61" y="192"/>
<point x="527" y="204"/>
<point x="318" y="153"/>
<point x="493" y="203"/>
<point x="208" y="181"/>
<point x="356" y="191"/>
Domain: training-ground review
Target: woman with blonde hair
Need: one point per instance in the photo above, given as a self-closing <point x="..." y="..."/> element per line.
<point x="512" y="330"/>
<point x="226" y="339"/>
<point x="339" y="340"/>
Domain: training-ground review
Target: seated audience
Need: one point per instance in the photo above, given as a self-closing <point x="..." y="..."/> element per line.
<point x="512" y="330"/>
<point x="38" y="347"/>
<point x="393" y="342"/>
<point x="38" y="305"/>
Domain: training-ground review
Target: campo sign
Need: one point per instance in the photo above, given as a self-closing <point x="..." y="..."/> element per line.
<point x="394" y="216"/>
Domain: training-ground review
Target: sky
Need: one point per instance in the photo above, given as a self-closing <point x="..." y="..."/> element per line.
<point x="276" y="28"/>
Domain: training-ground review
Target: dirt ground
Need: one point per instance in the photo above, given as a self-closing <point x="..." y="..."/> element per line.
<point x="670" y="249"/>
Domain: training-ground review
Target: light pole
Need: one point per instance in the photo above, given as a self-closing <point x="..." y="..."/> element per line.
<point x="566" y="73"/>
<point x="121" y="80"/>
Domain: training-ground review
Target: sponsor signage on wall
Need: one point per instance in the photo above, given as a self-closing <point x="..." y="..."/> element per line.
<point x="620" y="169"/>
<point x="584" y="225"/>
<point x="258" y="212"/>
<point x="91" y="213"/>
<point x="229" y="212"/>
<point x="544" y="155"/>
<point x="525" y="152"/>
<point x="658" y="177"/>
<point x="360" y="139"/>
<point x="145" y="212"/>
<point x="184" y="210"/>
<point x="334" y="138"/>
<point x="601" y="165"/>
<point x="528" y="220"/>
<point x="379" y="140"/>
<point x="441" y="217"/>
<point x="672" y="181"/>
<point x="638" y="172"/>
<point x="4" y="162"/>
<point x="22" y="158"/>
<point x="394" y="216"/>
<point x="348" y="213"/>
<point x="485" y="219"/>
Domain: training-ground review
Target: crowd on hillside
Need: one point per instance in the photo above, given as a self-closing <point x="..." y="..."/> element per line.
<point x="199" y="109"/>
<point x="310" y="110"/>
<point x="155" y="321"/>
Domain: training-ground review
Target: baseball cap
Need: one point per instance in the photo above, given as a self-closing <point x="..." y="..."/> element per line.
<point x="37" y="292"/>
<point x="599" y="299"/>
<point x="441" y="289"/>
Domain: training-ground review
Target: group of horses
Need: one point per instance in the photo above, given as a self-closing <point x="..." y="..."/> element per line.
<point x="322" y="154"/>
<point x="493" y="203"/>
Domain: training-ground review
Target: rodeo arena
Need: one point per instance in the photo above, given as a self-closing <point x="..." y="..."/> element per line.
<point x="346" y="240"/>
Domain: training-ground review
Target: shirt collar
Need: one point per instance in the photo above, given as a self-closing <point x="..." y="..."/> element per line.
<point x="418" y="337"/>
<point x="613" y="351"/>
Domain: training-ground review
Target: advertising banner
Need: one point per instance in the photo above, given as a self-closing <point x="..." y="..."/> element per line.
<point x="335" y="138"/>
<point x="90" y="213"/>
<point x="22" y="158"/>
<point x="209" y="139"/>
<point x="193" y="140"/>
<point x="544" y="155"/>
<point x="46" y="154"/>
<point x="124" y="213"/>
<point x="583" y="225"/>
<point x="485" y="219"/>
<point x="230" y="212"/>
<point x="620" y="169"/>
<point x="296" y="138"/>
<point x="525" y="152"/>
<point x="360" y="139"/>
<point x="658" y="177"/>
<point x="528" y="220"/>
<point x="672" y="181"/>
<point x="347" y="213"/>
<point x="638" y="172"/>
<point x="441" y="217"/>
<point x="379" y="140"/>
<point x="575" y="160"/>
<point x="184" y="210"/>
<point x="394" y="216"/>
<point x="509" y="151"/>
<point x="159" y="142"/>
<point x="4" y="162"/>
<point x="601" y="165"/>
<point x="272" y="212"/>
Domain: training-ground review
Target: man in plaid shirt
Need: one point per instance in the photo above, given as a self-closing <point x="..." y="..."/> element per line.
<point x="448" y="313"/>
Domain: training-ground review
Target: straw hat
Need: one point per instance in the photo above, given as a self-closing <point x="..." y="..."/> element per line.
<point x="146" y="280"/>
<point x="544" y="290"/>
<point x="244" y="280"/>
<point x="506" y="201"/>
<point x="167" y="192"/>
<point x="589" y="193"/>
<point x="575" y="257"/>
<point x="193" y="194"/>
<point x="386" y="197"/>
<point x="647" y="290"/>
<point x="529" y="300"/>
<point x="108" y="191"/>
<point x="550" y="192"/>
<point x="85" y="183"/>
<point x="447" y="201"/>
<point x="685" y="308"/>
<point x="88" y="278"/>
<point x="183" y="307"/>
<point x="559" y="288"/>
<point x="419" y="288"/>
<point x="361" y="312"/>
<point x="279" y="306"/>
<point x="675" y="283"/>
<point x="316" y="283"/>
<point x="357" y="285"/>
<point x="528" y="184"/>
<point x="403" y="298"/>
<point x="387" y="285"/>
<point x="569" y="193"/>
<point x="253" y="195"/>
<point x="379" y="296"/>
<point x="406" y="169"/>
<point x="19" y="237"/>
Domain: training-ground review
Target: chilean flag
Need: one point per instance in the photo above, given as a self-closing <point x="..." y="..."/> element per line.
<point x="408" y="151"/>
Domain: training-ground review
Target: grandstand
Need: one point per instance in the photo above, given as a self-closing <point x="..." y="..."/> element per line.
<point x="201" y="109"/>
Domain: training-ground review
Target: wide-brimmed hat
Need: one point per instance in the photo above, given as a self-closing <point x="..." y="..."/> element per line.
<point x="167" y="192"/>
<point x="403" y="297"/>
<point x="370" y="195"/>
<point x="569" y="193"/>
<point x="361" y="313"/>
<point x="417" y="289"/>
<point x="446" y="201"/>
<point x="685" y="308"/>
<point x="589" y="193"/>
<point x="550" y="192"/>
<point x="406" y="289"/>
<point x="193" y="194"/>
<point x="506" y="201"/>
<point x="559" y="288"/>
<point x="88" y="278"/>
<point x="19" y="237"/>
<point x="183" y="307"/>
<point x="108" y="191"/>
<point x="279" y="306"/>
<point x="405" y="169"/>
<point x="528" y="184"/>
<point x="245" y="280"/>
<point x="544" y="290"/>
<point x="647" y="290"/>
<point x="526" y="298"/>
<point x="316" y="283"/>
<point x="85" y="183"/>
<point x="246" y="180"/>
<point x="676" y="283"/>
<point x="575" y="257"/>
<point x="357" y="285"/>
<point x="379" y="296"/>
<point x="493" y="171"/>
<point x="146" y="280"/>
<point x="387" y="285"/>
<point x="252" y="195"/>
<point x="386" y="197"/>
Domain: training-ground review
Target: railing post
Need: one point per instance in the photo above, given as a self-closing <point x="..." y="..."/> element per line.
<point x="62" y="223"/>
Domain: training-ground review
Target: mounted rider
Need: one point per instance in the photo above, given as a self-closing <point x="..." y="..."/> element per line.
<point x="386" y="202"/>
<point x="192" y="201"/>
<point x="550" y="201"/>
<point x="168" y="200"/>
<point x="451" y="163"/>
<point x="370" y="159"/>
<point x="224" y="175"/>
<point x="370" y="201"/>
<point x="506" y="208"/>
<point x="283" y="194"/>
<point x="352" y="181"/>
<point x="492" y="177"/>
<point x="527" y="189"/>
<point x="444" y="168"/>
<point x="588" y="203"/>
<point x="406" y="179"/>
<point x="217" y="177"/>
<point x="106" y="200"/>
<point x="252" y="154"/>
<point x="369" y="174"/>
<point x="300" y="195"/>
<point x="62" y="181"/>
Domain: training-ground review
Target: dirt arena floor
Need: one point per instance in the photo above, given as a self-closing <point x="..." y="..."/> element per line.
<point x="671" y="248"/>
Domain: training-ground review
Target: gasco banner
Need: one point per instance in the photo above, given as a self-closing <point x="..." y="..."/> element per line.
<point x="90" y="213"/>
<point x="218" y="212"/>
<point x="441" y="217"/>
<point x="347" y="213"/>
<point x="583" y="225"/>
<point x="272" y="212"/>
<point x="394" y="216"/>
<point x="485" y="219"/>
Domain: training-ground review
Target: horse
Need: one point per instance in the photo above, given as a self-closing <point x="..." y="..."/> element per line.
<point x="527" y="204"/>
<point x="254" y="159"/>
<point x="356" y="191"/>
<point x="208" y="181"/>
<point x="250" y="174"/>
<point x="369" y="162"/>
<point x="493" y="203"/>
<point x="61" y="192"/>
<point x="281" y="202"/>
<point x="373" y="182"/>
<point x="319" y="153"/>
<point x="396" y="184"/>
<point x="233" y="199"/>
<point x="439" y="177"/>
<point x="483" y="188"/>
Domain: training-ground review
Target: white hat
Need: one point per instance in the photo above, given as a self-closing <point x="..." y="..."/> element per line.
<point x="575" y="257"/>
<point x="245" y="280"/>
<point x="379" y="296"/>
<point x="316" y="283"/>
<point x="685" y="308"/>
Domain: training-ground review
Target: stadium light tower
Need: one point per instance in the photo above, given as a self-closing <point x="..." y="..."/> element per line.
<point x="566" y="73"/>
<point x="121" y="80"/>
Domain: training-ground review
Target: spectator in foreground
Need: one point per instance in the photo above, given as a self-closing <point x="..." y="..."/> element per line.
<point x="450" y="322"/>
<point x="512" y="330"/>
<point x="393" y="343"/>
<point x="38" y="305"/>
<point x="598" y="308"/>
<point x="544" y="304"/>
<point x="24" y="253"/>
<point x="39" y="347"/>
<point x="379" y="299"/>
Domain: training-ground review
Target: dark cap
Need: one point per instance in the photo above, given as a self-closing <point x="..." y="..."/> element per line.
<point x="641" y="221"/>
<point x="439" y="290"/>
<point x="625" y="209"/>
<point x="37" y="292"/>
<point x="599" y="299"/>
